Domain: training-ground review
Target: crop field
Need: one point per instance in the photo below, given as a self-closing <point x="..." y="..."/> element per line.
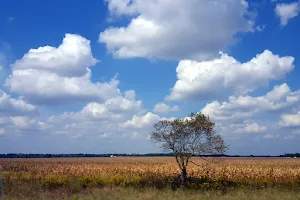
<point x="76" y="174"/>
<point x="127" y="170"/>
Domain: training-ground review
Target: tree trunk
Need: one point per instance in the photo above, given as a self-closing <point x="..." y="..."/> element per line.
<point x="183" y="178"/>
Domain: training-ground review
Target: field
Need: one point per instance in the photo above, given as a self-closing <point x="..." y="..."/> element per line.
<point x="67" y="177"/>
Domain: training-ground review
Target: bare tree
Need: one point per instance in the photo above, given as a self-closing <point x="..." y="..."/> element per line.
<point x="194" y="135"/>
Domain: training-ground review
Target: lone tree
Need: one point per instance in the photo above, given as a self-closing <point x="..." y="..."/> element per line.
<point x="194" y="135"/>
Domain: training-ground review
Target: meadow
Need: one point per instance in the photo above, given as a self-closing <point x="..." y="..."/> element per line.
<point x="77" y="178"/>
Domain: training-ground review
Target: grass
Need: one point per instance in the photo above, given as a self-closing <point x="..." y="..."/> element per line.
<point x="84" y="188"/>
<point x="121" y="193"/>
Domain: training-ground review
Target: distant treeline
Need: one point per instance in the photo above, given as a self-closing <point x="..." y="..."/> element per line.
<point x="81" y="155"/>
<point x="292" y="155"/>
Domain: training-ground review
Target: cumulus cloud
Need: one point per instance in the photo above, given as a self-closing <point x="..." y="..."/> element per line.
<point x="48" y="88"/>
<point x="239" y="108"/>
<point x="72" y="58"/>
<point x="50" y="75"/>
<point x="290" y="120"/>
<point x="103" y="119"/>
<point x="12" y="106"/>
<point x="251" y="128"/>
<point x="165" y="108"/>
<point x="21" y="122"/>
<point x="20" y="125"/>
<point x="195" y="29"/>
<point x="225" y="75"/>
<point x="247" y="114"/>
<point x="287" y="11"/>
<point x="16" y="116"/>
<point x="111" y="109"/>
<point x="121" y="116"/>
<point x="142" y="121"/>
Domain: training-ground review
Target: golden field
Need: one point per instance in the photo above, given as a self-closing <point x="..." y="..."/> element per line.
<point x="153" y="171"/>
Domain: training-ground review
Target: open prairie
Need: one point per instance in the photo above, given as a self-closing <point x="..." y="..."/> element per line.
<point x="77" y="174"/>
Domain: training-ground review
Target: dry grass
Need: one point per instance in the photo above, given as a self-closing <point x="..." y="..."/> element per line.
<point x="117" y="193"/>
<point x="267" y="169"/>
<point x="156" y="172"/>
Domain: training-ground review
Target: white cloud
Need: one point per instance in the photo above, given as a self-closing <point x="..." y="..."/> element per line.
<point x="251" y="128"/>
<point x="111" y="110"/>
<point x="242" y="115"/>
<point x="17" y="116"/>
<point x="165" y="108"/>
<point x="243" y="107"/>
<point x="279" y="92"/>
<point x="260" y="27"/>
<point x="177" y="29"/>
<point x="48" y="88"/>
<point x="290" y="120"/>
<point x="11" y="106"/>
<point x="2" y="132"/>
<point x="270" y="136"/>
<point x="102" y="119"/>
<point x="126" y="103"/>
<point x="21" y="122"/>
<point x="50" y="75"/>
<point x="287" y="11"/>
<point x="20" y="125"/>
<point x="225" y="75"/>
<point x="142" y="121"/>
<point x="72" y="58"/>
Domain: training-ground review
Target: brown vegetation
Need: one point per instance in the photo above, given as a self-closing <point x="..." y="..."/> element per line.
<point x="158" y="172"/>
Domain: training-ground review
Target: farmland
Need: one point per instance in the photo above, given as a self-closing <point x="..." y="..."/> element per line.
<point x="74" y="175"/>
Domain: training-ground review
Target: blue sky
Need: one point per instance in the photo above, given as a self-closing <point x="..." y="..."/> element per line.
<point x="93" y="77"/>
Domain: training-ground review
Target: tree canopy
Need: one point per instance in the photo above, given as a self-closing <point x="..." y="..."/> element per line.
<point x="194" y="135"/>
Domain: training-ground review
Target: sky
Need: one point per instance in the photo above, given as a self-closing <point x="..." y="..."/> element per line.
<point x="94" y="76"/>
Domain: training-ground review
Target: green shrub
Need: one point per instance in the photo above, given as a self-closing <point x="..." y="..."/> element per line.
<point x="86" y="181"/>
<point x="54" y="182"/>
<point x="100" y="181"/>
